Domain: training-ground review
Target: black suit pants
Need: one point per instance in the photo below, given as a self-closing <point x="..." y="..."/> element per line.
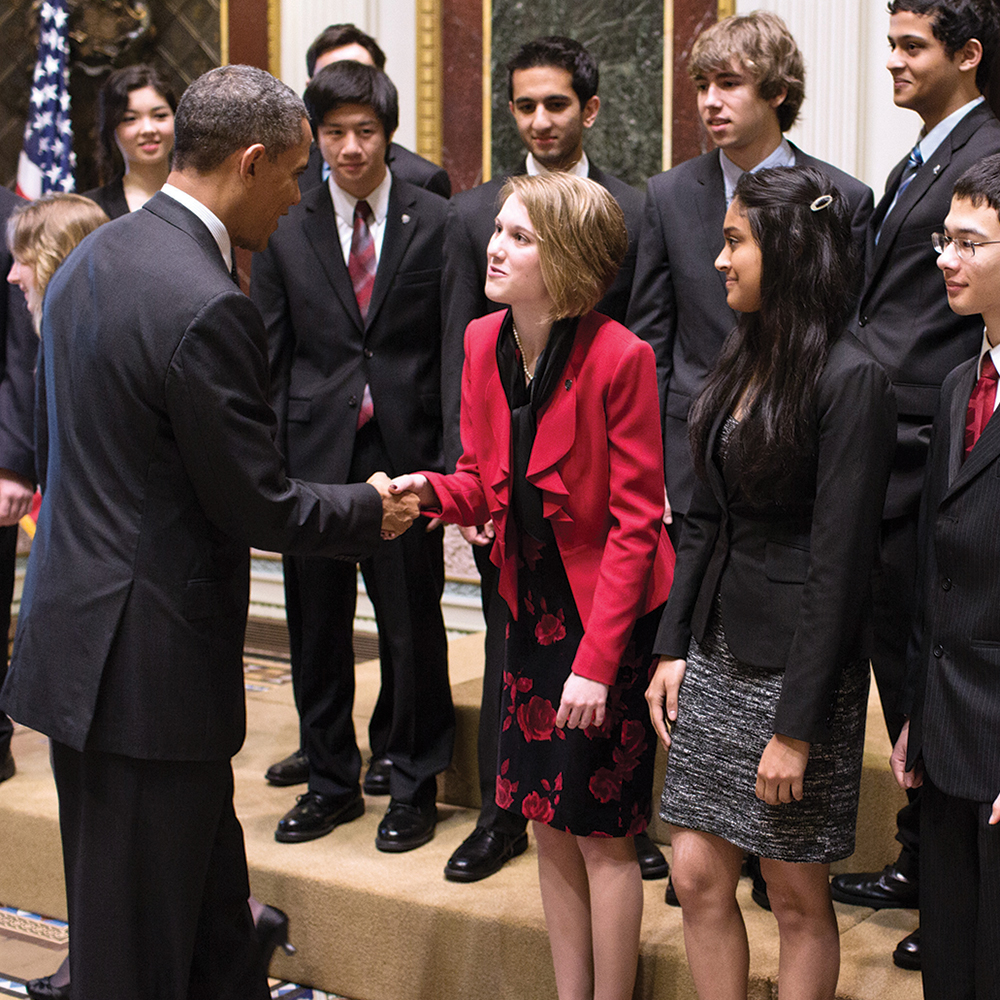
<point x="959" y="898"/>
<point x="413" y="723"/>
<point x="156" y="879"/>
<point x="8" y="559"/>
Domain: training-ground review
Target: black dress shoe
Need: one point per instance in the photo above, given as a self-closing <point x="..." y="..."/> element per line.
<point x="272" y="932"/>
<point x="483" y="853"/>
<point x="7" y="767"/>
<point x="758" y="890"/>
<point x="405" y="826"/>
<point x="377" y="776"/>
<point x="315" y="815"/>
<point x="293" y="770"/>
<point x="671" y="895"/>
<point x="907" y="953"/>
<point x="885" y="890"/>
<point x="42" y="989"/>
<point x="652" y="863"/>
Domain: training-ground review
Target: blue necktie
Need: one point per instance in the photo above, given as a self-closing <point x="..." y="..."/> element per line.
<point x="913" y="163"/>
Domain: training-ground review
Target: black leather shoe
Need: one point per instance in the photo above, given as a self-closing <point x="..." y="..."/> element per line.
<point x="272" y="932"/>
<point x="405" y="826"/>
<point x="758" y="891"/>
<point x="315" y="815"/>
<point x="483" y="853"/>
<point x="42" y="989"/>
<point x="671" y="895"/>
<point x="888" y="889"/>
<point x="907" y="953"/>
<point x="652" y="863"/>
<point x="377" y="776"/>
<point x="293" y="770"/>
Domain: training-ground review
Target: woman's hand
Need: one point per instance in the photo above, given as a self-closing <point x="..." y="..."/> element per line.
<point x="582" y="704"/>
<point x="662" y="695"/>
<point x="781" y="769"/>
<point x="416" y="483"/>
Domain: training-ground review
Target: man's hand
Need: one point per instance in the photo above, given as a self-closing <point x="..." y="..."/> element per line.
<point x="662" y="695"/>
<point x="483" y="535"/>
<point x="399" y="509"/>
<point x="995" y="815"/>
<point x="781" y="770"/>
<point x="668" y="514"/>
<point x="897" y="761"/>
<point x="582" y="703"/>
<point x="16" y="494"/>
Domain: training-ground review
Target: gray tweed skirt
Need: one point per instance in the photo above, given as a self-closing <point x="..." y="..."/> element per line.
<point x="724" y="721"/>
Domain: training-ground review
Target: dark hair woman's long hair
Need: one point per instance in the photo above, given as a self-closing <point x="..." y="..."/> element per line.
<point x="775" y="356"/>
<point x="112" y="103"/>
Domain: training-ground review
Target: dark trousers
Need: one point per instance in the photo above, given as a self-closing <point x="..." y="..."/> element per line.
<point x="893" y="602"/>
<point x="8" y="558"/>
<point x="414" y="720"/>
<point x="959" y="898"/>
<point x="156" y="880"/>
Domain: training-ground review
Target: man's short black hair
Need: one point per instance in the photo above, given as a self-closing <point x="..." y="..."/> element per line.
<point x="565" y="53"/>
<point x="980" y="184"/>
<point x="336" y="37"/>
<point x="954" y="22"/>
<point x="349" y="82"/>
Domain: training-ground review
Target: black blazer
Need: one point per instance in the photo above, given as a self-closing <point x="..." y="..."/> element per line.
<point x="111" y="197"/>
<point x="160" y="468"/>
<point x="792" y="581"/>
<point x="954" y="662"/>
<point x="678" y="299"/>
<point x="904" y="318"/>
<point x="404" y="165"/>
<point x="471" y="217"/>
<point x="321" y="352"/>
<point x="18" y="350"/>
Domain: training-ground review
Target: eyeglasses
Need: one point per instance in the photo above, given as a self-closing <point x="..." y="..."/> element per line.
<point x="966" y="249"/>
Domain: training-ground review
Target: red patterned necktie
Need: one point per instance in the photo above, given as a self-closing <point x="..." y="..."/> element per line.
<point x="981" y="402"/>
<point x="361" y="262"/>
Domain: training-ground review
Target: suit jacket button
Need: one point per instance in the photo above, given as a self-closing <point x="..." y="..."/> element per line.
<point x="938" y="651"/>
<point x="353" y="401"/>
<point x="946" y="584"/>
<point x="368" y="353"/>
<point x="863" y="321"/>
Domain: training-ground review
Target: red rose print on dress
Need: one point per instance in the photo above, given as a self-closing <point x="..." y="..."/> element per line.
<point x="606" y="785"/>
<point x="532" y="549"/>
<point x="536" y="808"/>
<point x="550" y="628"/>
<point x="537" y="720"/>
<point x="633" y="743"/>
<point x="506" y="789"/>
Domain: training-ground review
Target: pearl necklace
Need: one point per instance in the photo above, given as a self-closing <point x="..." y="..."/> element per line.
<point x="524" y="364"/>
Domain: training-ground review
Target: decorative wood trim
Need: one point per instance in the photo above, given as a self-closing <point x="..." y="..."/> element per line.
<point x="274" y="37"/>
<point x="487" y="90"/>
<point x="727" y="8"/>
<point x="224" y="32"/>
<point x="429" y="59"/>
<point x="668" y="84"/>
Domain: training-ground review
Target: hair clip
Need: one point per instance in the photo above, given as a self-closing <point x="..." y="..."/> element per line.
<point x="820" y="203"/>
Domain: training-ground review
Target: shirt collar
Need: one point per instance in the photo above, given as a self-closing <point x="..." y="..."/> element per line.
<point x="783" y="156"/>
<point x="579" y="169"/>
<point x="930" y="142"/>
<point x="378" y="200"/>
<point x="985" y="349"/>
<point x="214" y="224"/>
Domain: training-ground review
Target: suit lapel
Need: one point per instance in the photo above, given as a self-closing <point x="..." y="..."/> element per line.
<point x="957" y="413"/>
<point x="986" y="449"/>
<point x="173" y="212"/>
<point x="710" y="201"/>
<point x="320" y="228"/>
<point x="400" y="225"/>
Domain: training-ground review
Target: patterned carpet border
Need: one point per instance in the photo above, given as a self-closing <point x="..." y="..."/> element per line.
<point x="34" y="926"/>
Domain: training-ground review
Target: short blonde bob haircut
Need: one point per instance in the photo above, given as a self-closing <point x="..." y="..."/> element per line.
<point x="581" y="233"/>
<point x="762" y="45"/>
<point x="41" y="233"/>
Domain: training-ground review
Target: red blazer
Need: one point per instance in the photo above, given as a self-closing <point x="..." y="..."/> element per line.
<point x="597" y="459"/>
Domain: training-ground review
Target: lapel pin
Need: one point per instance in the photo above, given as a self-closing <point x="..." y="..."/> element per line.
<point x="937" y="169"/>
<point x="406" y="219"/>
<point x="569" y="382"/>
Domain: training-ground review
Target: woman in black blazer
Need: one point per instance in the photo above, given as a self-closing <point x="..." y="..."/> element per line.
<point x="762" y="684"/>
<point x="135" y="121"/>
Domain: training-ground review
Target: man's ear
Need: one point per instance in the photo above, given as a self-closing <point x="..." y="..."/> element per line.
<point x="249" y="159"/>
<point x="590" y="110"/>
<point x="970" y="55"/>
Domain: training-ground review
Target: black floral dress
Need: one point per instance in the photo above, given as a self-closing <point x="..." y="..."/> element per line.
<point x="591" y="782"/>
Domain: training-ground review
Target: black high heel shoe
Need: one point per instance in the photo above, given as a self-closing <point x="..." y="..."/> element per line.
<point x="42" y="989"/>
<point x="272" y="933"/>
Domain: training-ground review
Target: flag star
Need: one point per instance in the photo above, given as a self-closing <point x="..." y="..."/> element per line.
<point x="36" y="97"/>
<point x="65" y="126"/>
<point x="67" y="183"/>
<point x="64" y="101"/>
<point x="54" y="172"/>
<point x="57" y="147"/>
<point x="43" y="144"/>
<point x="51" y="65"/>
<point x="47" y="11"/>
<point x="59" y="18"/>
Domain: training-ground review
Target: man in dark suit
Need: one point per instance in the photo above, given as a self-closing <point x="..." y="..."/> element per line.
<point x="18" y="348"/>
<point x="552" y="90"/>
<point x="159" y="468"/>
<point x="749" y="75"/>
<point x="950" y="744"/>
<point x="347" y="41"/>
<point x="355" y="349"/>
<point x="940" y="58"/>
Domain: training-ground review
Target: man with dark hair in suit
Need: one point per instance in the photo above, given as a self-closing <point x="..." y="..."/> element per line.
<point x="941" y="52"/>
<point x="552" y="91"/>
<point x="158" y="469"/>
<point x="750" y="79"/>
<point x="950" y="744"/>
<point x="350" y="291"/>
<point x="18" y="348"/>
<point x="347" y="41"/>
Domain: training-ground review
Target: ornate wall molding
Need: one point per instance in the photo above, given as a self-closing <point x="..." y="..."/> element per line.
<point x="274" y="36"/>
<point x="223" y="32"/>
<point x="429" y="79"/>
<point x="726" y="8"/>
<point x="487" y="90"/>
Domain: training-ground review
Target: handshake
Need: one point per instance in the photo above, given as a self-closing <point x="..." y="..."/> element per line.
<point x="402" y="498"/>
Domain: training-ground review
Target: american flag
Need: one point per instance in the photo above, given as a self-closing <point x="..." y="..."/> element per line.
<point x="47" y="160"/>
